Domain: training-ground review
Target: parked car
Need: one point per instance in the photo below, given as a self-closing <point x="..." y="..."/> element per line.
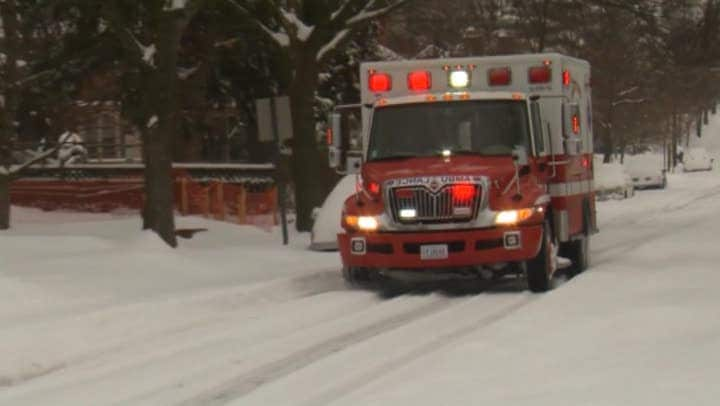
<point x="612" y="181"/>
<point x="327" y="217"/>
<point x="647" y="170"/>
<point x="697" y="159"/>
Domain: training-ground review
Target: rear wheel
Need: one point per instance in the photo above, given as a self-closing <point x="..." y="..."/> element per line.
<point x="541" y="268"/>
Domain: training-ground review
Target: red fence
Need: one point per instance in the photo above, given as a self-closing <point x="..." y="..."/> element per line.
<point x="221" y="197"/>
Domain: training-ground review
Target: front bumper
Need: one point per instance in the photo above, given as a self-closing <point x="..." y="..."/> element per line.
<point x="465" y="248"/>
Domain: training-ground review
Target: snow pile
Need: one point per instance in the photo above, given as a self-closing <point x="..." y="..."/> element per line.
<point x="710" y="138"/>
<point x="611" y="180"/>
<point x="327" y="221"/>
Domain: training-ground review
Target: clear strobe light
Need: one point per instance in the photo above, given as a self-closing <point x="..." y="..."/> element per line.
<point x="459" y="79"/>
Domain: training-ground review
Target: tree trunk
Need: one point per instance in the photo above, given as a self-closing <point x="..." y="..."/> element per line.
<point x="4" y="202"/>
<point x="11" y="99"/>
<point x="609" y="142"/>
<point x="308" y="166"/>
<point x="159" y="210"/>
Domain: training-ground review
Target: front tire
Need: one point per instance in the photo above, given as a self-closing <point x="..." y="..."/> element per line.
<point x="578" y="252"/>
<point x="356" y="278"/>
<point x="541" y="268"/>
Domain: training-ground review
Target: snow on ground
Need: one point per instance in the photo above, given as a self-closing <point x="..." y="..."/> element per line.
<point x="98" y="313"/>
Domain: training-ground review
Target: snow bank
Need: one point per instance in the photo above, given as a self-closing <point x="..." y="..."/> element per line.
<point x="99" y="313"/>
<point x="327" y="223"/>
<point x="611" y="180"/>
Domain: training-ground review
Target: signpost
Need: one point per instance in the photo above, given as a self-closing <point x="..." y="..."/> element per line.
<point x="275" y="125"/>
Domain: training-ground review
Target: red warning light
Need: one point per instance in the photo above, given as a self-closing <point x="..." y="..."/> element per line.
<point x="499" y="76"/>
<point x="566" y="78"/>
<point x="576" y="124"/>
<point x="463" y="194"/>
<point x="373" y="188"/>
<point x="419" y="81"/>
<point x="586" y="162"/>
<point x="380" y="82"/>
<point x="540" y="74"/>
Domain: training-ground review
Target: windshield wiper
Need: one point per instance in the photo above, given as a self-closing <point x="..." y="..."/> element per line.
<point x="399" y="157"/>
<point x="463" y="152"/>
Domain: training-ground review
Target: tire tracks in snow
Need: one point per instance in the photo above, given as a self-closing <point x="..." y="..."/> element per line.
<point x="439" y="343"/>
<point x="608" y="253"/>
<point x="247" y="382"/>
<point x="111" y="341"/>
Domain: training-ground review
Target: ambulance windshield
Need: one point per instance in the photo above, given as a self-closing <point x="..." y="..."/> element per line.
<point x="485" y="127"/>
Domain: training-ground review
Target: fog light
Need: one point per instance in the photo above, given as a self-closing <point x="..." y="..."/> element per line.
<point x="408" y="213"/>
<point x="512" y="240"/>
<point x="358" y="246"/>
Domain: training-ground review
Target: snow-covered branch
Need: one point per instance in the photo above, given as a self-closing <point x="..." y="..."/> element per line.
<point x="341" y="9"/>
<point x="294" y="26"/>
<point x="15" y="170"/>
<point x="368" y="14"/>
<point x="280" y="38"/>
<point x="339" y="37"/>
<point x="628" y="101"/>
<point x="628" y="91"/>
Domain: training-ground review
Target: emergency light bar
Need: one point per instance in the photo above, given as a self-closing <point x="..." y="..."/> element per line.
<point x="419" y="81"/>
<point x="499" y="76"/>
<point x="540" y="74"/>
<point x="379" y="82"/>
<point x="459" y="79"/>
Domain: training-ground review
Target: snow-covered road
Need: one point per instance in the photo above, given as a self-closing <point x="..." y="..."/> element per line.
<point x="95" y="314"/>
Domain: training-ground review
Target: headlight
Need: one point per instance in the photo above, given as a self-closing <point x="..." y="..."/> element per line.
<point x="512" y="217"/>
<point x="364" y="223"/>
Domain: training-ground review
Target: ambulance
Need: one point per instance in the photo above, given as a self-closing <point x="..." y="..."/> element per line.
<point x="477" y="166"/>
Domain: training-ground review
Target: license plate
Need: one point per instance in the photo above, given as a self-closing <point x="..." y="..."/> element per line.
<point x="436" y="251"/>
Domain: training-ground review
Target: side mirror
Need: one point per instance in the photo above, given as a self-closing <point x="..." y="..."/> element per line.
<point x="335" y="140"/>
<point x="353" y="165"/>
<point x="520" y="155"/>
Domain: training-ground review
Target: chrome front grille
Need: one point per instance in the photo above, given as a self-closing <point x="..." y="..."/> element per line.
<point x="452" y="203"/>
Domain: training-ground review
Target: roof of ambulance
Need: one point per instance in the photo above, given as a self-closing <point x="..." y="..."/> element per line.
<point x="496" y="59"/>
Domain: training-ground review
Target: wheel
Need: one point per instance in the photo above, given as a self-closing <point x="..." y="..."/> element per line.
<point x="578" y="252"/>
<point x="541" y="268"/>
<point x="356" y="277"/>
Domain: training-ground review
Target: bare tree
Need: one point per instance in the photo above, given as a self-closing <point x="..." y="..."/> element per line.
<point x="307" y="33"/>
<point x="152" y="45"/>
<point x="11" y="86"/>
